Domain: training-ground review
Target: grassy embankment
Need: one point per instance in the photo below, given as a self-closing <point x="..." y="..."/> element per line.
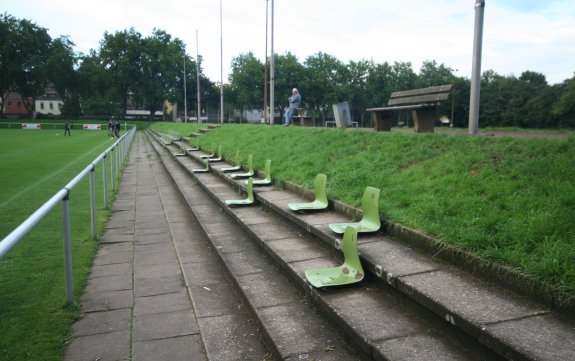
<point x="34" y="165"/>
<point x="508" y="200"/>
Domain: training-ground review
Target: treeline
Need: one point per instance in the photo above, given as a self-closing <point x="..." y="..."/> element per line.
<point x="129" y="68"/>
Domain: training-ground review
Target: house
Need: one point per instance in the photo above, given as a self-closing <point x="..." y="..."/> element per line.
<point x="15" y="106"/>
<point x="49" y="103"/>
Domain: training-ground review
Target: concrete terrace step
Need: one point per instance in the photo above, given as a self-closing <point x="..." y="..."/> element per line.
<point x="295" y="330"/>
<point x="379" y="320"/>
<point x="503" y="321"/>
<point x="157" y="290"/>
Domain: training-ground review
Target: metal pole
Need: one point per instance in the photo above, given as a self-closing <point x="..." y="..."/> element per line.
<point x="67" y="249"/>
<point x="198" y="76"/>
<point x="272" y="71"/>
<point x="185" y="92"/>
<point x="93" y="203"/>
<point x="221" y="67"/>
<point x="476" y="68"/>
<point x="112" y="171"/>
<point x="118" y="162"/>
<point x="105" y="181"/>
<point x="266" y="71"/>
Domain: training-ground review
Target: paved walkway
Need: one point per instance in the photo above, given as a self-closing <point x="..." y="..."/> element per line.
<point x="147" y="298"/>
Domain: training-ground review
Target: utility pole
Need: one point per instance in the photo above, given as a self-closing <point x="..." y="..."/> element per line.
<point x="476" y="68"/>
<point x="185" y="92"/>
<point x="221" y="68"/>
<point x="198" y="77"/>
<point x="272" y="72"/>
<point x="266" y="71"/>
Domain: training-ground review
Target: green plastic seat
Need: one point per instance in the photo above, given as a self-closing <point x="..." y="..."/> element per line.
<point x="349" y="272"/>
<point x="219" y="157"/>
<point x="250" y="172"/>
<point x="244" y="202"/>
<point x="370" y="221"/>
<point x="203" y="170"/>
<point x="320" y="201"/>
<point x="236" y="161"/>
<point x="267" y="175"/>
<point x="204" y="156"/>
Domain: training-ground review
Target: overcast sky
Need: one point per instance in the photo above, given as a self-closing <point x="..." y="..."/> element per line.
<point x="518" y="35"/>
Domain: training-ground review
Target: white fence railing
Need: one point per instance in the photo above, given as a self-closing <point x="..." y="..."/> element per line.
<point x="118" y="152"/>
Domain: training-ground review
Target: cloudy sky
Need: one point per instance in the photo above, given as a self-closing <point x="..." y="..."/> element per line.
<point x="519" y="35"/>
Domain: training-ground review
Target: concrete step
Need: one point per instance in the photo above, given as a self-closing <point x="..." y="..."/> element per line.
<point x="380" y="321"/>
<point x="501" y="320"/>
<point x="157" y="290"/>
<point x="292" y="328"/>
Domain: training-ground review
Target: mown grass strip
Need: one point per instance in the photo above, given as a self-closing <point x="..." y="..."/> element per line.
<point x="34" y="165"/>
<point x="508" y="200"/>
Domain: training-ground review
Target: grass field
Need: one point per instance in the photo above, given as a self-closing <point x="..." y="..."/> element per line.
<point x="35" y="164"/>
<point x="508" y="200"/>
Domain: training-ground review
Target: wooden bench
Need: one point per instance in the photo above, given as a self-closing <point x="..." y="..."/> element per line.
<point x="302" y="119"/>
<point x="422" y="102"/>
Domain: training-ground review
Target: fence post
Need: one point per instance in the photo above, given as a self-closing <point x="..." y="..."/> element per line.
<point x="105" y="179"/>
<point x="93" y="203"/>
<point x="67" y="248"/>
<point x="112" y="171"/>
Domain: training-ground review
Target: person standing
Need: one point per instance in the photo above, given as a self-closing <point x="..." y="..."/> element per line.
<point x="117" y="129"/>
<point x="67" y="128"/>
<point x="110" y="128"/>
<point x="294" y="103"/>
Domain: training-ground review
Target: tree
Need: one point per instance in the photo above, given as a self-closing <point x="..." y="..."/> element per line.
<point x="321" y="79"/>
<point x="246" y="80"/>
<point x="24" y="58"/>
<point x="358" y="74"/>
<point x="121" y="56"/>
<point x="564" y="108"/>
<point x="161" y="70"/>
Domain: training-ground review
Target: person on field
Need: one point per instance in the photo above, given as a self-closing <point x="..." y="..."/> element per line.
<point x="117" y="129"/>
<point x="110" y="128"/>
<point x="67" y="128"/>
<point x="294" y="103"/>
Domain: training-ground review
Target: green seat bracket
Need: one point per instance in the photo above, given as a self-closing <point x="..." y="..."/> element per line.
<point x="237" y="165"/>
<point x="370" y="221"/>
<point x="182" y="152"/>
<point x="250" y="172"/>
<point x="219" y="157"/>
<point x="349" y="272"/>
<point x="267" y="180"/>
<point x="207" y="156"/>
<point x="203" y="170"/>
<point x="320" y="201"/>
<point x="244" y="202"/>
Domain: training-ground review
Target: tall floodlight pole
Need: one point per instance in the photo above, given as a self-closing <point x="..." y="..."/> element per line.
<point x="266" y="71"/>
<point x="476" y="68"/>
<point x="221" y="67"/>
<point x="185" y="92"/>
<point x="272" y="71"/>
<point x="198" y="77"/>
